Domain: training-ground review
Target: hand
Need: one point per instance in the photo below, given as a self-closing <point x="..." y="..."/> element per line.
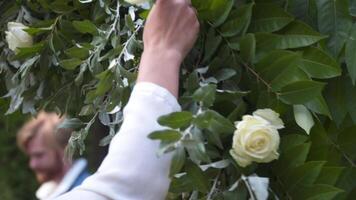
<point x="170" y="32"/>
<point x="172" y="26"/>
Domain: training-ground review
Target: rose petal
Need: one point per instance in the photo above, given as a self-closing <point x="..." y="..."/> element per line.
<point x="271" y="116"/>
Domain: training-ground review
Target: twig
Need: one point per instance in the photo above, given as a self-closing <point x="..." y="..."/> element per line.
<point x="210" y="195"/>
<point x="252" y="194"/>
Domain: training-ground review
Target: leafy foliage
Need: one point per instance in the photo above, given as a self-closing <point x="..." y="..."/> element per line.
<point x="293" y="56"/>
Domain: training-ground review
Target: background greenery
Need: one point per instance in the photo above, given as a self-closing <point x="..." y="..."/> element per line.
<point x="294" y="56"/>
<point x="16" y="179"/>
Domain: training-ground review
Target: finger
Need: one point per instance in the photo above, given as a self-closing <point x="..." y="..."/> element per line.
<point x="189" y="2"/>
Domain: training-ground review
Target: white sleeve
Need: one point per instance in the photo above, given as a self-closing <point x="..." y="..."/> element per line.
<point x="132" y="170"/>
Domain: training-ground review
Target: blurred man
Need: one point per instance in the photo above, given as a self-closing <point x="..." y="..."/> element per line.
<point x="45" y="145"/>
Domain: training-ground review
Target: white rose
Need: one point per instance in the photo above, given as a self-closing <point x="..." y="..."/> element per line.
<point x="256" y="140"/>
<point x="17" y="37"/>
<point x="136" y="2"/>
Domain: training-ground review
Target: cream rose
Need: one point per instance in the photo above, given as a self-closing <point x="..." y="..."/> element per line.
<point x="17" y="37"/>
<point x="136" y="2"/>
<point x="256" y="138"/>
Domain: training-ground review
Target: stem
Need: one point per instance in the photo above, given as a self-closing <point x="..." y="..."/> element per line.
<point x="117" y="17"/>
<point x="245" y="180"/>
<point x="210" y="195"/>
<point x="127" y="43"/>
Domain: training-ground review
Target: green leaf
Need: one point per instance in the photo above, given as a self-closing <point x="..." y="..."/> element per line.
<point x="176" y="120"/>
<point x="305" y="174"/>
<point x="269" y="18"/>
<point x="73" y="123"/>
<point x="225" y="74"/>
<point x="279" y="68"/>
<point x="318" y="64"/>
<point x="70" y="64"/>
<point x="303" y="118"/>
<point x="165" y="135"/>
<point x="291" y="158"/>
<point x="205" y="95"/>
<point x="215" y="11"/>
<point x="347" y="182"/>
<point x="318" y="105"/>
<point x="352" y="7"/>
<point x="346" y="141"/>
<point x="329" y="175"/>
<point x="238" y="21"/>
<point x="303" y="10"/>
<point x="292" y="140"/>
<point x="222" y="9"/>
<point x="334" y="20"/>
<point x="316" y="192"/>
<point x="350" y="54"/>
<point x="248" y="47"/>
<point x="214" y="122"/>
<point x="297" y="34"/>
<point x="350" y="98"/>
<point x="85" y="26"/>
<point x="27" y="52"/>
<point x="336" y="99"/>
<point x="181" y="184"/>
<point x="77" y="52"/>
<point x="60" y="6"/>
<point x="229" y="95"/>
<point x="178" y="161"/>
<point x="105" y="82"/>
<point x="197" y="177"/>
<point x="196" y="150"/>
<point x="212" y="43"/>
<point x="86" y="110"/>
<point x="214" y="138"/>
<point x="300" y="92"/>
<point x="322" y="146"/>
<point x="35" y="31"/>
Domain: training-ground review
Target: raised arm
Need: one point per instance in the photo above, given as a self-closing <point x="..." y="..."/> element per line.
<point x="132" y="170"/>
<point x="170" y="33"/>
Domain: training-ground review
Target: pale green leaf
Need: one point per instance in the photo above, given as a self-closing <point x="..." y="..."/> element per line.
<point x="303" y="117"/>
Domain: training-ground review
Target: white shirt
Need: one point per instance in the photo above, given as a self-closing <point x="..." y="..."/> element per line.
<point x="52" y="189"/>
<point x="132" y="170"/>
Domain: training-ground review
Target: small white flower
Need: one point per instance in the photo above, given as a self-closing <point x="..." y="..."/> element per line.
<point x="136" y="2"/>
<point x="17" y="37"/>
<point x="256" y="138"/>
